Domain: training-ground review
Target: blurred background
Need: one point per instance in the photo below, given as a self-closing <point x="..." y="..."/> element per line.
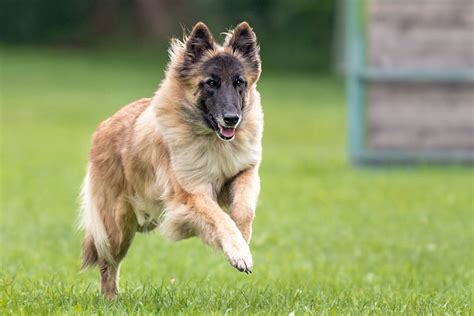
<point x="332" y="235"/>
<point x="283" y="26"/>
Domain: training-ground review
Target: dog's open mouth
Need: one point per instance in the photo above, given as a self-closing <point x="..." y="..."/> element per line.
<point x="223" y="132"/>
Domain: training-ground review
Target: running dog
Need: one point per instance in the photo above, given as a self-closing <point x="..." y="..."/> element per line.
<point x="184" y="161"/>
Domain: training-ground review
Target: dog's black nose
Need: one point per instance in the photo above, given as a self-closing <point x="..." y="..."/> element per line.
<point x="231" y="119"/>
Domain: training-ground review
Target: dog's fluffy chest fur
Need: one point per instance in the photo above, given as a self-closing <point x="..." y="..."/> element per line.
<point x="207" y="168"/>
<point x="199" y="163"/>
<point x="202" y="163"/>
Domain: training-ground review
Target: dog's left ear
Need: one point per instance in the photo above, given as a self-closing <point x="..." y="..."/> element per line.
<point x="243" y="40"/>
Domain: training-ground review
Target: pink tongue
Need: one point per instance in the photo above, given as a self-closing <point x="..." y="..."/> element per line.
<point x="227" y="132"/>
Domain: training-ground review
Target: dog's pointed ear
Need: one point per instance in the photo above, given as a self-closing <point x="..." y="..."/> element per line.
<point x="199" y="41"/>
<point x="242" y="39"/>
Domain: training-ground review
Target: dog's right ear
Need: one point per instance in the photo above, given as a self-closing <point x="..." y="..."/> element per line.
<point x="200" y="40"/>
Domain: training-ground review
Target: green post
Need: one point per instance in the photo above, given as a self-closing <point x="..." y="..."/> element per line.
<point x="355" y="91"/>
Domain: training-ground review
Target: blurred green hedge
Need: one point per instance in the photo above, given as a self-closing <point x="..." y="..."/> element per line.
<point x="292" y="33"/>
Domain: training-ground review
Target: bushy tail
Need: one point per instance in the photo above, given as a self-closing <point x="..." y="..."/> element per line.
<point x="96" y="243"/>
<point x="89" y="253"/>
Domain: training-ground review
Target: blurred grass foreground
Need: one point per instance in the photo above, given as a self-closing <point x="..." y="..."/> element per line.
<point x="327" y="239"/>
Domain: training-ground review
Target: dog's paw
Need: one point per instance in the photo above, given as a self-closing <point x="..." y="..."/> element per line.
<point x="238" y="254"/>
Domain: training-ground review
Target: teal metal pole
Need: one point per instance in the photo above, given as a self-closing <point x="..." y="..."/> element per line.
<point x="355" y="88"/>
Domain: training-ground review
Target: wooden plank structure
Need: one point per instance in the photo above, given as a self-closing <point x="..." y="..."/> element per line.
<point x="410" y="80"/>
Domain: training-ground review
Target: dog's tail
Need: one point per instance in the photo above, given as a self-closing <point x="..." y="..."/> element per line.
<point x="96" y="243"/>
<point x="90" y="257"/>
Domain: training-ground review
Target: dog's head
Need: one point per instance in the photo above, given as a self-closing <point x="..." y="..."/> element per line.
<point x="217" y="78"/>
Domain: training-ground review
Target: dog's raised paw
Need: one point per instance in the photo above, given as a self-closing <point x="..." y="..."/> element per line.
<point x="242" y="266"/>
<point x="240" y="256"/>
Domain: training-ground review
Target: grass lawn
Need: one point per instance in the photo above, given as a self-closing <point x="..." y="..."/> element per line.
<point x="328" y="238"/>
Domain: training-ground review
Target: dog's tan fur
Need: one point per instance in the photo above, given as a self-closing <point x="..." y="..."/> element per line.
<point x="149" y="167"/>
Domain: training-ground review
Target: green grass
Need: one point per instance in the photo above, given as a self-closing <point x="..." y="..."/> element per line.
<point x="328" y="238"/>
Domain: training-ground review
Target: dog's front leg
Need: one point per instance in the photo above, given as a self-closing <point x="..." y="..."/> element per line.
<point x="244" y="191"/>
<point x="199" y="214"/>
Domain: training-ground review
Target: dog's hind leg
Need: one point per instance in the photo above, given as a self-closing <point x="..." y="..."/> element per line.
<point x="198" y="214"/>
<point x="121" y="230"/>
<point x="109" y="279"/>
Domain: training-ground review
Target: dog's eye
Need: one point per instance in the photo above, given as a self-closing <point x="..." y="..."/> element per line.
<point x="211" y="83"/>
<point x="239" y="81"/>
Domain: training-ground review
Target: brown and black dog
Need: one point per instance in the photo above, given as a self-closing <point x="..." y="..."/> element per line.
<point x="185" y="161"/>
